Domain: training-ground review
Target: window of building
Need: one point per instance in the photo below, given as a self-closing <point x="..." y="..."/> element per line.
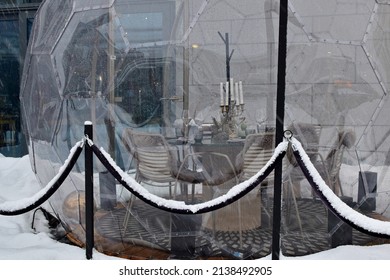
<point x="16" y="19"/>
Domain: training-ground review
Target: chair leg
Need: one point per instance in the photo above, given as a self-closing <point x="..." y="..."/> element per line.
<point x="213" y="214"/>
<point x="291" y="191"/>
<point x="338" y="186"/>
<point x="128" y="214"/>
<point x="297" y="211"/>
<point x="213" y="217"/>
<point x="193" y="193"/>
<point x="129" y="207"/>
<point x="296" y="188"/>
<point x="264" y="200"/>
<point x="240" y="222"/>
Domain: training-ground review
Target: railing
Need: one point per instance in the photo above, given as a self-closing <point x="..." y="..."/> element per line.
<point x="339" y="208"/>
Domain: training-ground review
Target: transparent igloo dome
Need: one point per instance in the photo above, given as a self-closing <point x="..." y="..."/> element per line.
<point x="199" y="79"/>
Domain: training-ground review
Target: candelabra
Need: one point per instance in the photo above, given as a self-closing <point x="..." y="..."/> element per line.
<point x="232" y="107"/>
<point x="232" y="99"/>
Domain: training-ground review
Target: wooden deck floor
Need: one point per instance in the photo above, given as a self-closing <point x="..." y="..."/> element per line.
<point x="127" y="250"/>
<point x="123" y="250"/>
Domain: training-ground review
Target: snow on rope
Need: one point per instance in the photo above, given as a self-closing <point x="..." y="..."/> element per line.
<point x="17" y="207"/>
<point x="180" y="207"/>
<point x="347" y="214"/>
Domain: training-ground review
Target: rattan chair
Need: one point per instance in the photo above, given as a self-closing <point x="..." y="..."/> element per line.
<point x="257" y="151"/>
<point x="328" y="167"/>
<point x="158" y="164"/>
<point x="309" y="136"/>
<point x="330" y="171"/>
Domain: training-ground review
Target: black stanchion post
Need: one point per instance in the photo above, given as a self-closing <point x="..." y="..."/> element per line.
<point x="282" y="53"/>
<point x="89" y="233"/>
<point x="367" y="190"/>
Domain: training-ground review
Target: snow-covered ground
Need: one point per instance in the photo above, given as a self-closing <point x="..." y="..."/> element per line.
<point x="17" y="238"/>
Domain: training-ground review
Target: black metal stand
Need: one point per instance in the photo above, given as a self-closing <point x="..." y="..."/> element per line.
<point x="107" y="186"/>
<point x="89" y="227"/>
<point x="183" y="235"/>
<point x="282" y="55"/>
<point x="228" y="58"/>
<point x="340" y="232"/>
<point x="367" y="190"/>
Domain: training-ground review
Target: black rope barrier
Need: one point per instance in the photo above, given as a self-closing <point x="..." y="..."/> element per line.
<point x="179" y="207"/>
<point x="13" y="208"/>
<point x="350" y="216"/>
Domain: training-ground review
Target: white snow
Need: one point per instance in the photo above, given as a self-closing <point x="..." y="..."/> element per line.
<point x="12" y="205"/>
<point x="18" y="241"/>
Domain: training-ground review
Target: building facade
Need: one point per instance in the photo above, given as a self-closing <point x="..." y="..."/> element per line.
<point x="16" y="18"/>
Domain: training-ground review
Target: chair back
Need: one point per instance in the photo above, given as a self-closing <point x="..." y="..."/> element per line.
<point x="258" y="149"/>
<point x="346" y="139"/>
<point x="309" y="136"/>
<point x="152" y="155"/>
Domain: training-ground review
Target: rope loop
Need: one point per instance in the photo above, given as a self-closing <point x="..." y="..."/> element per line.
<point x="343" y="211"/>
<point x="13" y="208"/>
<point x="179" y="207"/>
<point x="288" y="134"/>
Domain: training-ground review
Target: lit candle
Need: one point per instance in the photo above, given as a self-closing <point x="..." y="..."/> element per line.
<point x="231" y="89"/>
<point x="221" y="93"/>
<point x="237" y="94"/>
<point x="241" y="94"/>
<point x="227" y="94"/>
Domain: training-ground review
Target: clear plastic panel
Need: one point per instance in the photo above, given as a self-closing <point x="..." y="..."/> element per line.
<point x="52" y="18"/>
<point x="202" y="75"/>
<point x="336" y="85"/>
